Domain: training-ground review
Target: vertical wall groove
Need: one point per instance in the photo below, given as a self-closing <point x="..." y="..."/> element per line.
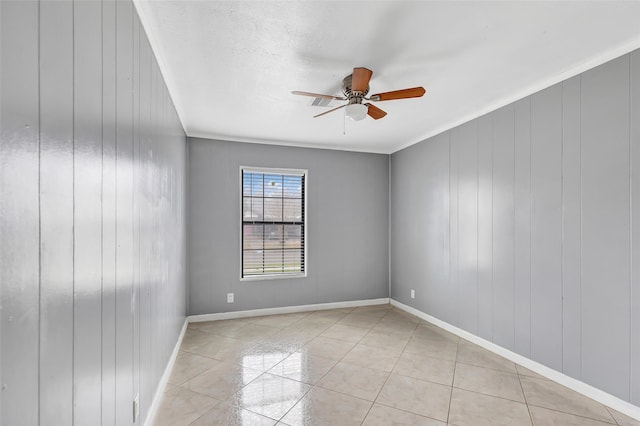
<point x="581" y="234"/>
<point x="73" y="210"/>
<point x="102" y="316"/>
<point x="513" y="257"/>
<point x="630" y="228"/>
<point x="635" y="209"/>
<point x="477" y="223"/>
<point x="562" y="211"/>
<point x="580" y="243"/>
<point x="492" y="227"/>
<point x="530" y="223"/>
<point x="39" y="344"/>
<point x="115" y="208"/>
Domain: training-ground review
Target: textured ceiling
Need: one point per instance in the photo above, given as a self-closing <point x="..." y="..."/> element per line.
<point x="230" y="65"/>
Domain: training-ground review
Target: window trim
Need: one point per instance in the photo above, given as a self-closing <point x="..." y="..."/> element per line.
<point x="276" y="171"/>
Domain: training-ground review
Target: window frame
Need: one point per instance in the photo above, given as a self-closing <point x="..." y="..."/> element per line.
<point x="274" y="171"/>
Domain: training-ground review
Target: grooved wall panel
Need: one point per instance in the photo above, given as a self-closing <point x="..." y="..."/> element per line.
<point x="145" y="283"/>
<point x="19" y="213"/>
<point x="152" y="224"/>
<point x="92" y="215"/>
<point x="108" y="213"/>
<point x="546" y="227"/>
<point x="136" y="205"/>
<point x="547" y="189"/>
<point x="407" y="271"/>
<point x="56" y="212"/>
<point x="485" y="227"/>
<point x="467" y="139"/>
<point x="87" y="336"/>
<point x="437" y="225"/>
<point x="124" y="211"/>
<point x="522" y="227"/>
<point x="606" y="226"/>
<point x="571" y="226"/>
<point x="503" y="217"/>
<point x="452" y="312"/>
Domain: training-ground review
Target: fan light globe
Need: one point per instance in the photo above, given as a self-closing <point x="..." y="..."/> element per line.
<point x="356" y="112"/>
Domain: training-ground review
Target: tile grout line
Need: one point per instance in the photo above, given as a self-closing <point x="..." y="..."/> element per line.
<point x="576" y="415"/>
<point x="524" y="395"/>
<point x="529" y="405"/>
<point x="492" y="396"/>
<point x="453" y="379"/>
<point x="612" y="416"/>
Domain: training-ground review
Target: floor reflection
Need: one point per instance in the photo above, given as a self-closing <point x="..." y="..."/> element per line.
<point x="272" y="395"/>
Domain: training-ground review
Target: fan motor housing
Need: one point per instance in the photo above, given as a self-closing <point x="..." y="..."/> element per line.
<point x="354" y="97"/>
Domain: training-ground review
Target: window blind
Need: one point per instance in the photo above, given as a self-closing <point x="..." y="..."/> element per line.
<point x="273" y="223"/>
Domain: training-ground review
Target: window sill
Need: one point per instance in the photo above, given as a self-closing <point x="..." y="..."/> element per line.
<point x="272" y="277"/>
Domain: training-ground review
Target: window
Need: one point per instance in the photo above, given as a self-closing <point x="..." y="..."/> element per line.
<point x="273" y="222"/>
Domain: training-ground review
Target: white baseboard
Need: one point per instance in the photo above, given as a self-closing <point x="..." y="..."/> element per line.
<point x="574" y="384"/>
<point x="286" y="310"/>
<point x="157" y="397"/>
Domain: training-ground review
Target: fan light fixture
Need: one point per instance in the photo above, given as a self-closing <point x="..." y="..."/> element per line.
<point x="356" y="112"/>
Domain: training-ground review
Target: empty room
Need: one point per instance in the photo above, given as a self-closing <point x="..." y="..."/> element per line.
<point x="319" y="213"/>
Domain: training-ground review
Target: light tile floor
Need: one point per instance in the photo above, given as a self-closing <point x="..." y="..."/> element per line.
<point x="373" y="365"/>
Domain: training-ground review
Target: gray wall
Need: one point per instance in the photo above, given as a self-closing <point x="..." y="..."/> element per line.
<point x="92" y="216"/>
<point x="518" y="227"/>
<point x="347" y="226"/>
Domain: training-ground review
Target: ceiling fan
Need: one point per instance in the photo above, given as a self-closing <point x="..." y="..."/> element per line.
<point x="355" y="88"/>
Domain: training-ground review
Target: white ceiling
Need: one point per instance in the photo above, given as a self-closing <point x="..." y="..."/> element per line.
<point x="230" y="65"/>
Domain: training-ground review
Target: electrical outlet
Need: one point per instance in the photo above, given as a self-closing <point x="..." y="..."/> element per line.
<point x="413" y="294"/>
<point x="229" y="297"/>
<point x="136" y="408"/>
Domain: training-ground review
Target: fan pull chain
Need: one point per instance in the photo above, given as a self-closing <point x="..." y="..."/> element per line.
<point x="344" y="125"/>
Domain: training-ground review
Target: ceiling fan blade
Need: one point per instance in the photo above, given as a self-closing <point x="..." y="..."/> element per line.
<point x="318" y="95"/>
<point x="414" y="92"/>
<point x="360" y="79"/>
<point x="331" y="110"/>
<point x="375" y="112"/>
